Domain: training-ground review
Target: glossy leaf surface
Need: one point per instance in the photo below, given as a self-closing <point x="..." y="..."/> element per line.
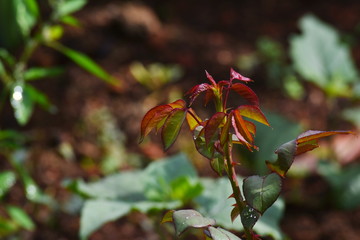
<point x="152" y="118"/>
<point x="246" y="92"/>
<point x="254" y="113"/>
<point x="261" y="192"/>
<point x="249" y="216"/>
<point x="172" y="127"/>
<point x="184" y="219"/>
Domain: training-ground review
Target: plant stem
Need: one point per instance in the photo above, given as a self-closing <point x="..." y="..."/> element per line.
<point x="235" y="185"/>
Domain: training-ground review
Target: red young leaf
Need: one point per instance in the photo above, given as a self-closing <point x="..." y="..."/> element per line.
<point x="306" y="146"/>
<point x="211" y="79"/>
<point x="195" y="91"/>
<point x="246" y="93"/>
<point x="251" y="127"/>
<point x="152" y="118"/>
<point x="313" y="134"/>
<point x="253" y="112"/>
<point x="208" y="96"/>
<point x="238" y="76"/>
<point x="238" y="134"/>
<point x="242" y="127"/>
<point x="172" y="127"/>
<point x="213" y="125"/>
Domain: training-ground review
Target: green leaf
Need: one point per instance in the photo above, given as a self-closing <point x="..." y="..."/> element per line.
<point x="261" y="192"/>
<point x="66" y="7"/>
<point x="212" y="204"/>
<point x="286" y="154"/>
<point x="212" y="126"/>
<point x="37" y="73"/>
<point x="26" y="14"/>
<point x="7" y="180"/>
<point x="70" y="20"/>
<point x="86" y="63"/>
<point x="95" y="213"/>
<point x="20" y="217"/>
<point x="221" y="234"/>
<point x="32" y="191"/>
<point x="184" y="219"/>
<point x="22" y="103"/>
<point x="249" y="216"/>
<point x="172" y="127"/>
<point x="320" y="57"/>
<point x="40" y="98"/>
<point x="168" y="217"/>
<point x="10" y="139"/>
<point x="344" y="182"/>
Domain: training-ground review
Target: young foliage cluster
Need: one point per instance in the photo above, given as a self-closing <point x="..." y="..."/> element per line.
<point x="214" y="139"/>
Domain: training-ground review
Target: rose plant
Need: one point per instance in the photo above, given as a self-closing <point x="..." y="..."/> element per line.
<point x="215" y="137"/>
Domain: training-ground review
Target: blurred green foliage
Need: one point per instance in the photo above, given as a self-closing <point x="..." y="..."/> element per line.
<point x="164" y="184"/>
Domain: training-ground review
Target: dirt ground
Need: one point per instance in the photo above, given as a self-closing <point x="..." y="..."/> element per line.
<point x="197" y="35"/>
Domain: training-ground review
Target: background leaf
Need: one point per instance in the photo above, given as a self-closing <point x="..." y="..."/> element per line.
<point x="7" y="180"/>
<point x="320" y="57"/>
<point x="20" y="217"/>
<point x="184" y="219"/>
<point x="86" y="63"/>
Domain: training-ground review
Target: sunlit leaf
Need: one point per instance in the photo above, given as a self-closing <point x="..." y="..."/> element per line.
<point x="20" y="217"/>
<point x="313" y="134"/>
<point x="261" y="192"/>
<point x="152" y="118"/>
<point x="86" y="63"/>
<point x="184" y="219"/>
<point x="7" y="180"/>
<point x="168" y="217"/>
<point x="70" y="20"/>
<point x="66" y="7"/>
<point x="246" y="92"/>
<point x="192" y="119"/>
<point x="213" y="125"/>
<point x="320" y="56"/>
<point x="238" y="76"/>
<point x="241" y="127"/>
<point x="178" y="104"/>
<point x="254" y="113"/>
<point x="172" y="127"/>
<point x="36" y="73"/>
<point x="22" y="103"/>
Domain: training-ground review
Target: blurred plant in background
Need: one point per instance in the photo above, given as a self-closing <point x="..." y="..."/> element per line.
<point x="29" y="31"/>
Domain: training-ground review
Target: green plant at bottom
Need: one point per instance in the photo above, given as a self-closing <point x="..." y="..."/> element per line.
<point x="214" y="138"/>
